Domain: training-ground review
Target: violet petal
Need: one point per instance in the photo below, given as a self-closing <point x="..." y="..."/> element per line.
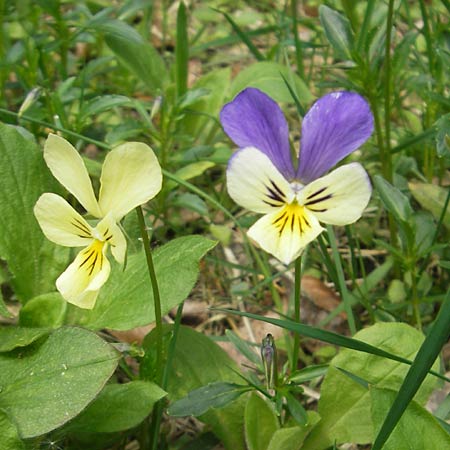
<point x="336" y="125"/>
<point x="253" y="119"/>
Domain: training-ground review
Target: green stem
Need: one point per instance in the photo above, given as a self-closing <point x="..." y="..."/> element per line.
<point x="387" y="95"/>
<point x="341" y="280"/>
<point x="298" y="48"/>
<point x="157" y="409"/>
<point x="297" y="300"/>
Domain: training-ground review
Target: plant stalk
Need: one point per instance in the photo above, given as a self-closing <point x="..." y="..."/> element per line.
<point x="297" y="300"/>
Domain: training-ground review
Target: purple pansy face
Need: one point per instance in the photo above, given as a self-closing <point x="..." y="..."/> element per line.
<point x="261" y="175"/>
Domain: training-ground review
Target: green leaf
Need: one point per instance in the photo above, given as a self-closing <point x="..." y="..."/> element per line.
<point x="291" y="438"/>
<point x="417" y="429"/>
<point x="328" y="336"/>
<point x="344" y="403"/>
<point x="23" y="178"/>
<point x="338" y="31"/>
<point x="268" y="77"/>
<point x="213" y="395"/>
<point x="46" y="310"/>
<point x="135" y="53"/>
<point x="432" y="198"/>
<point x="3" y="309"/>
<point x="243" y="36"/>
<point x="395" y="201"/>
<point x="197" y="361"/>
<point x="101" y="104"/>
<point x="126" y="300"/>
<point x="13" y="337"/>
<point x="427" y="355"/>
<point x="244" y="348"/>
<point x="181" y="51"/>
<point x="9" y="436"/>
<point x="45" y="385"/>
<point x="190" y="171"/>
<point x="296" y="409"/>
<point x="261" y="423"/>
<point x="308" y="373"/>
<point x="202" y="116"/>
<point x="118" y="407"/>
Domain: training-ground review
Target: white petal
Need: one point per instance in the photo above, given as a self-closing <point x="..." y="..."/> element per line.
<point x="60" y="223"/>
<point x="80" y="282"/>
<point x="107" y="230"/>
<point x="255" y="183"/>
<point x="68" y="168"/>
<point x="286" y="232"/>
<point x="340" y="197"/>
<point x="131" y="176"/>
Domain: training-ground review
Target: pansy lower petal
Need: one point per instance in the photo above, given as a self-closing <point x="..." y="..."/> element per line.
<point x="340" y="197"/>
<point x="108" y="231"/>
<point x="60" y="223"/>
<point x="285" y="233"/>
<point x="253" y="119"/>
<point x="88" y="272"/>
<point x="131" y="176"/>
<point x="68" y="168"/>
<point x="255" y="183"/>
<point x="335" y="126"/>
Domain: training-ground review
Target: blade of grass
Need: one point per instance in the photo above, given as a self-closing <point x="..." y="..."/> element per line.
<point x="242" y="35"/>
<point x="181" y="51"/>
<point x="300" y="109"/>
<point x="421" y="365"/>
<point x="326" y="336"/>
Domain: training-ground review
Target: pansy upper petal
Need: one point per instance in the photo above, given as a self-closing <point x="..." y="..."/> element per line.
<point x="60" y="223"/>
<point x="253" y="119"/>
<point x="68" y="168"/>
<point x="286" y="233"/>
<point x="85" y="276"/>
<point x="335" y="126"/>
<point x="255" y="183"/>
<point x="131" y="176"/>
<point x="340" y="197"/>
<point x="108" y="230"/>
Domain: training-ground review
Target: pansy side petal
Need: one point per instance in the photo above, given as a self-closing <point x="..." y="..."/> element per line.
<point x="68" y="168"/>
<point x="253" y="119"/>
<point x="108" y="230"/>
<point x="340" y="197"/>
<point x="60" y="223"/>
<point x="131" y="176"/>
<point x="285" y="233"/>
<point x="85" y="276"/>
<point x="335" y="126"/>
<point x="255" y="183"/>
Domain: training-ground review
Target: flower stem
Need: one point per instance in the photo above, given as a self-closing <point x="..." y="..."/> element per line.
<point x="157" y="409"/>
<point x="297" y="299"/>
<point x="341" y="280"/>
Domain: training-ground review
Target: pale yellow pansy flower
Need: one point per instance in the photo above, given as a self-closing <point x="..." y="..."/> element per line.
<point x="131" y="176"/>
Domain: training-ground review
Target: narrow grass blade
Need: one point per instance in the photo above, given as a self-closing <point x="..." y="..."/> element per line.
<point x="327" y="336"/>
<point x="301" y="111"/>
<point x="181" y="51"/>
<point x="425" y="358"/>
<point x="243" y="36"/>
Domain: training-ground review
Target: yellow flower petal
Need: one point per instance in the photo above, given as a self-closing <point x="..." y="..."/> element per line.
<point x="286" y="233"/>
<point x="340" y="197"/>
<point x="255" y="183"/>
<point x="131" y="176"/>
<point x="107" y="230"/>
<point x="60" y="223"/>
<point x="80" y="282"/>
<point x="68" y="168"/>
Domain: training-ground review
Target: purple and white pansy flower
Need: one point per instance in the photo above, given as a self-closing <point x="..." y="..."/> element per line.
<point x="294" y="199"/>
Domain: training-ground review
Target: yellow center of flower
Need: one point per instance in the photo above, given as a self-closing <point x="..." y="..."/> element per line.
<point x="291" y="218"/>
<point x="92" y="258"/>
